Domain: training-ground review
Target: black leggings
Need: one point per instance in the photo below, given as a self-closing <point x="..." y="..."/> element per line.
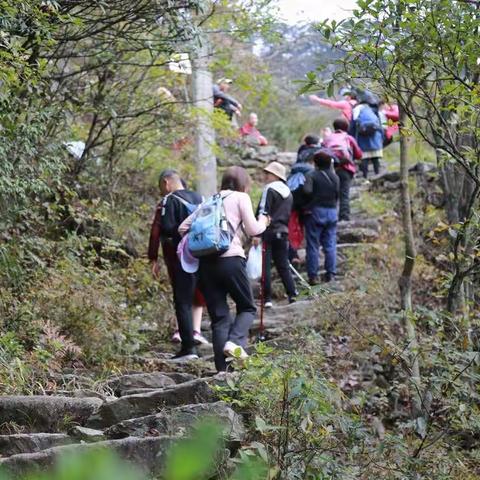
<point x="277" y="250"/>
<point x="220" y="277"/>
<point x="376" y="166"/>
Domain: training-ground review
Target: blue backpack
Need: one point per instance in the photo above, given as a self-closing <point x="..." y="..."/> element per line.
<point x="210" y="233"/>
<point x="367" y="122"/>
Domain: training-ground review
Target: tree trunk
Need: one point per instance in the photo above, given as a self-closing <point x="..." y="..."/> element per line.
<point x="202" y="93"/>
<point x="405" y="280"/>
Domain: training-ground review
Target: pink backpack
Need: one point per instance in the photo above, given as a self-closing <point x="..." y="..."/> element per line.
<point x="338" y="142"/>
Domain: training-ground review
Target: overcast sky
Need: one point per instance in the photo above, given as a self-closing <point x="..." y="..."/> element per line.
<point x="314" y="10"/>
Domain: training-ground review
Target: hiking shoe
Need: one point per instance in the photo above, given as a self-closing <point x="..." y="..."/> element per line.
<point x="313" y="281"/>
<point x="185" y="355"/>
<point x="292" y="300"/>
<point x="176" y="337"/>
<point x="268" y="304"/>
<point x="199" y="339"/>
<point x="234" y="351"/>
<point x="329" y="277"/>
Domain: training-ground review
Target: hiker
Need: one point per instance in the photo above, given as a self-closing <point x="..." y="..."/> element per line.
<point x="320" y="217"/>
<point x="223" y="101"/>
<point x="225" y="274"/>
<point x="176" y="205"/>
<point x="346" y="150"/>
<point x="250" y="132"/>
<point x="276" y="202"/>
<point x="345" y="106"/>
<point x="295" y="181"/>
<point x="367" y="129"/>
<point x="392" y="115"/>
<point x="311" y="143"/>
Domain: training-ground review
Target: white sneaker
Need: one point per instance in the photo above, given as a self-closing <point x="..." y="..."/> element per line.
<point x="176" y="337"/>
<point x="233" y="350"/>
<point x="268" y="305"/>
<point x="198" y="338"/>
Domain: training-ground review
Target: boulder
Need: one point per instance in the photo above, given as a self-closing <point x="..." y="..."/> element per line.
<point x="181" y="420"/>
<point x="132" y="406"/>
<point x="372" y="223"/>
<point x="180" y="377"/>
<point x="287" y="158"/>
<point x="146" y="453"/>
<point x="31" y="442"/>
<point x="356" y="235"/>
<point x="139" y="380"/>
<point x="40" y="413"/>
<point x="85" y="434"/>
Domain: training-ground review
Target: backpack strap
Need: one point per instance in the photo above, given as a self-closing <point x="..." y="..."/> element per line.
<point x="327" y="177"/>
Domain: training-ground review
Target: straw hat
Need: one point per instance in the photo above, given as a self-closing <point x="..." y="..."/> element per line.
<point x="277" y="169"/>
<point x="224" y="80"/>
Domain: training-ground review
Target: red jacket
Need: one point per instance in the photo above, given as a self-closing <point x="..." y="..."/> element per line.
<point x="248" y="130"/>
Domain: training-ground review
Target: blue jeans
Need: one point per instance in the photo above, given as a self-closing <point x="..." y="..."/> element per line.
<point x="321" y="229"/>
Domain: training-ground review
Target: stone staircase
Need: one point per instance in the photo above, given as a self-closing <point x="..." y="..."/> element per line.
<point x="141" y="414"/>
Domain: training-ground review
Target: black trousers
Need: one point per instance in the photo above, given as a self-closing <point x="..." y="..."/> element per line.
<point x="345" y="184"/>
<point x="276" y="249"/>
<point x="183" y="286"/>
<point x="364" y="166"/>
<point x="221" y="277"/>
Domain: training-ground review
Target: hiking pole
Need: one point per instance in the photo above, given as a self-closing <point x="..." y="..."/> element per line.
<point x="261" y="337"/>
<point x="297" y="274"/>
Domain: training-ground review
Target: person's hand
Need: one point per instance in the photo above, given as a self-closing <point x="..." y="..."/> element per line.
<point x="265" y="219"/>
<point x="240" y="106"/>
<point x="155" y="270"/>
<point x="256" y="241"/>
<point x="237" y="112"/>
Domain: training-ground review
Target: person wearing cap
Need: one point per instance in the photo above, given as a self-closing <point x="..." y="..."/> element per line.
<point x="276" y="202"/>
<point x="223" y="101"/>
<point x="322" y="188"/>
<point x="250" y="132"/>
<point x="176" y="205"/>
<point x="346" y="105"/>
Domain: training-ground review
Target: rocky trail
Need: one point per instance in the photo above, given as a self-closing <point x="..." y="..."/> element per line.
<point x="140" y="414"/>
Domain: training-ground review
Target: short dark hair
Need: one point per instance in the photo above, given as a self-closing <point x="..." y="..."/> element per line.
<point x="235" y="178"/>
<point x="322" y="159"/>
<point x="168" y="173"/>
<point x="311" y="140"/>
<point x="340" y="124"/>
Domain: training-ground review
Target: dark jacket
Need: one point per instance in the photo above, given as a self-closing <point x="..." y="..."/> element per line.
<point x="224" y="101"/>
<point x="305" y="152"/>
<point x="170" y="213"/>
<point x="277" y="202"/>
<point x="322" y="188"/>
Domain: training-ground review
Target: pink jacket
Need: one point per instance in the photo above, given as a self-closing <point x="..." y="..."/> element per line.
<point x="239" y="210"/>
<point x="249" y="130"/>
<point x="346" y="106"/>
<point x="393" y="115"/>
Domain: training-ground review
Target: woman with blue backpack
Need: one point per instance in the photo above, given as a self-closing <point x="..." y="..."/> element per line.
<point x="367" y="128"/>
<point x="215" y="237"/>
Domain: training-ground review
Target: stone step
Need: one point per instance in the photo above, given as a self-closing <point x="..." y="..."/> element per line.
<point x="139" y="405"/>
<point x="147" y="453"/>
<point x="47" y="414"/>
<point x="153" y="380"/>
<point x="180" y="421"/>
<point x="31" y="442"/>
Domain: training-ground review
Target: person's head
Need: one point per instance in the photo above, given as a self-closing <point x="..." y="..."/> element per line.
<point x="340" y="124"/>
<point x="311" y="140"/>
<point x="273" y="172"/>
<point x="224" y="84"/>
<point x="237" y="179"/>
<point x="170" y="181"/>
<point x="348" y="93"/>
<point x="253" y="119"/>
<point x="323" y="161"/>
